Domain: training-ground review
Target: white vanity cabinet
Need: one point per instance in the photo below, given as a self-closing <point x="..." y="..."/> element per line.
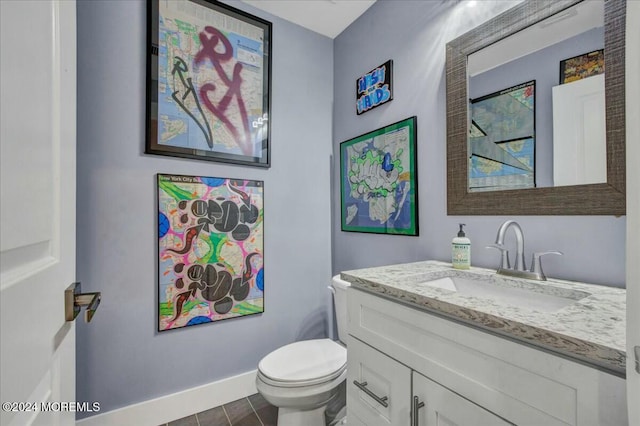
<point x="464" y="376"/>
<point x="382" y="391"/>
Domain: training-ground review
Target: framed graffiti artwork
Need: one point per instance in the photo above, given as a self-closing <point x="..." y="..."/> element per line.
<point x="582" y="66"/>
<point x="502" y="139"/>
<point x="208" y="82"/>
<point x="374" y="88"/>
<point x="378" y="181"/>
<point x="210" y="249"/>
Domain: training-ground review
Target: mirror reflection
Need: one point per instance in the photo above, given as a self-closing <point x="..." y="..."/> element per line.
<point x="537" y="105"/>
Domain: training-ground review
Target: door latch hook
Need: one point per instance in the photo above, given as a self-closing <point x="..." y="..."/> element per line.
<point x="74" y="300"/>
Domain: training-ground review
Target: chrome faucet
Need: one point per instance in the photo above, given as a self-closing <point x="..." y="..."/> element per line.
<point x="520" y="268"/>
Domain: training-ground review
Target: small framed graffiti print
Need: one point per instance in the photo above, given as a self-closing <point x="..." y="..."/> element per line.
<point x="210" y="249"/>
<point x="208" y="82"/>
<point x="374" y="88"/>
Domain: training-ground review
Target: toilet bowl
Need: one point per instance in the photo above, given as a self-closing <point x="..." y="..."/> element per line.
<point x="303" y="378"/>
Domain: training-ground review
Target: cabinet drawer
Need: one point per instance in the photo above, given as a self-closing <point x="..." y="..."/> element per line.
<point x="380" y="377"/>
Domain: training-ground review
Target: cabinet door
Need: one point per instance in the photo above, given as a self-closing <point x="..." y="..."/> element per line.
<point x="378" y="387"/>
<point x="443" y="407"/>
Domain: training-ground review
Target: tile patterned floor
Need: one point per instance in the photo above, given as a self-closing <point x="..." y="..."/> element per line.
<point x="251" y="411"/>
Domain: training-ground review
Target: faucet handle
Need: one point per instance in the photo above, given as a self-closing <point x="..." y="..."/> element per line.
<point x="536" y="264"/>
<point x="504" y="264"/>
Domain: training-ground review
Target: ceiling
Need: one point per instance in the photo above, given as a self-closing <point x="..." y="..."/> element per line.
<point x="327" y="17"/>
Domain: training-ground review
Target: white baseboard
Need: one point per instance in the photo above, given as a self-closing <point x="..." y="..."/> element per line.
<point x="180" y="404"/>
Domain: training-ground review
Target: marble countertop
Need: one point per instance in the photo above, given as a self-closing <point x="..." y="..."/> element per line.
<point x="590" y="330"/>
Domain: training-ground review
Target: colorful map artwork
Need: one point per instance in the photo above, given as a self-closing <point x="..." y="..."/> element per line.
<point x="502" y="140"/>
<point x="378" y="181"/>
<point x="210" y="236"/>
<point x="211" y="81"/>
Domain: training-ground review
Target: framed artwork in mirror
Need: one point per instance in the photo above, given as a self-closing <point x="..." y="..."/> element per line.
<point x="582" y="66"/>
<point x="208" y="82"/>
<point x="502" y="139"/>
<point x="210" y="249"/>
<point x="378" y="181"/>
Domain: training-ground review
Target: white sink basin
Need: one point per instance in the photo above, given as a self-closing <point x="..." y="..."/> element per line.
<point x="543" y="297"/>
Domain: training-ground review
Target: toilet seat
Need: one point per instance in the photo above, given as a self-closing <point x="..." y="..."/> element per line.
<point x="305" y="363"/>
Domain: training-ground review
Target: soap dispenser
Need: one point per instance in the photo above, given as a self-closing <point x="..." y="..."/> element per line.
<point x="461" y="250"/>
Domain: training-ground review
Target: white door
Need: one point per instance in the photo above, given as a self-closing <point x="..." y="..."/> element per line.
<point x="579" y="132"/>
<point x="37" y="233"/>
<point x="633" y="207"/>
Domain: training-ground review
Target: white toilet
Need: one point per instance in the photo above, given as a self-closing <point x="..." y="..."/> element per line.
<point x="303" y="378"/>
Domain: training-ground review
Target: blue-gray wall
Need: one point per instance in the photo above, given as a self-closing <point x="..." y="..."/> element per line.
<point x="414" y="35"/>
<point x="121" y="358"/>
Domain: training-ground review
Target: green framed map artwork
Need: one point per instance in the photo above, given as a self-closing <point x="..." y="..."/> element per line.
<point x="208" y="82"/>
<point x="378" y="181"/>
<point x="502" y="139"/>
<point x="210" y="249"/>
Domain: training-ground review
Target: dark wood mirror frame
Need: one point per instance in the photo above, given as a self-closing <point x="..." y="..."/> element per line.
<point x="593" y="199"/>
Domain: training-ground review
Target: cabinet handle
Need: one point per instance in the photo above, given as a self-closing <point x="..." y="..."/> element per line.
<point x="363" y="387"/>
<point x="416" y="406"/>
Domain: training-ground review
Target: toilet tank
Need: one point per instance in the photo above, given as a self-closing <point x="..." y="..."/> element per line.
<point x="340" y="301"/>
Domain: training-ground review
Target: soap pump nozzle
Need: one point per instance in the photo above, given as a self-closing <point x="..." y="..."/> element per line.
<point x="461" y="232"/>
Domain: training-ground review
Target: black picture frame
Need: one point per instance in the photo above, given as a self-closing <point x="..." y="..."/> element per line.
<point x="208" y="82"/>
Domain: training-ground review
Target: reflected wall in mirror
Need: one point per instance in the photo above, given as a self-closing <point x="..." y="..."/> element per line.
<point x="560" y="138"/>
<point x="522" y="136"/>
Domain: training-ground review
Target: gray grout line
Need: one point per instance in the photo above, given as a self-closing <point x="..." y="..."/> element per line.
<point x="225" y="413"/>
<point x="197" y="419"/>
<point x="254" y="410"/>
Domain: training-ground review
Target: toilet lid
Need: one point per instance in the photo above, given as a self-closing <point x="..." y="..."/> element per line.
<point x="308" y="361"/>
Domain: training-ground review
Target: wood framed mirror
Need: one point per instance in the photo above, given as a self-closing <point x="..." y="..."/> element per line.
<point x="605" y="198"/>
